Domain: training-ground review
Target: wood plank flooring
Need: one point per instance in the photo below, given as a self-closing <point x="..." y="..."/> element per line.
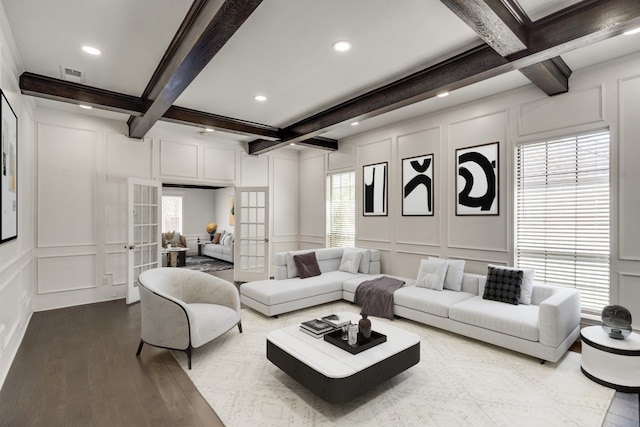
<point x="77" y="367"/>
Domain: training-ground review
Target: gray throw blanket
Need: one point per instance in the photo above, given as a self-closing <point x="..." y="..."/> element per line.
<point x="376" y="296"/>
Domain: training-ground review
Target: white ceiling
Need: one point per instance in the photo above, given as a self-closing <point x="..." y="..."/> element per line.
<point x="282" y="51"/>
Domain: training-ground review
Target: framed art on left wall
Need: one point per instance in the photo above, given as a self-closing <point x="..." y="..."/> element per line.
<point x="9" y="171"/>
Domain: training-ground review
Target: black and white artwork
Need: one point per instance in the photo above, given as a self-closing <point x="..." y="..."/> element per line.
<point x="9" y="171"/>
<point x="477" y="180"/>
<point x="417" y="186"/>
<point x="374" y="178"/>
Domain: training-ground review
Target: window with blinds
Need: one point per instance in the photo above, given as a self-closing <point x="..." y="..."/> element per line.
<point x="341" y="209"/>
<point x="562" y="214"/>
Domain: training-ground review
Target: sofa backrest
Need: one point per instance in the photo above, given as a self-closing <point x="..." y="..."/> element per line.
<point x="328" y="260"/>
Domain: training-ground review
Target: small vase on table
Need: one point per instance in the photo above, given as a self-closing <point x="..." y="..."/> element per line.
<point x="365" y="326"/>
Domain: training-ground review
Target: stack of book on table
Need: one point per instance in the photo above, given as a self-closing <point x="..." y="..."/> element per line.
<point x="319" y="327"/>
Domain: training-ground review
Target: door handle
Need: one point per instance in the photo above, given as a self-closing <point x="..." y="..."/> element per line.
<point x="130" y="247"/>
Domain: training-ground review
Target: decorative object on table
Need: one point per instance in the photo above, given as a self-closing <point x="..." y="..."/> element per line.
<point x="364" y="325"/>
<point x="353" y="335"/>
<point x="335" y="320"/>
<point x="616" y="321"/>
<point x="211" y="229"/>
<point x="374" y="180"/>
<point x="316" y="327"/>
<point x="361" y="345"/>
<point x="417" y="186"/>
<point x="477" y="180"/>
<point x="8" y="171"/>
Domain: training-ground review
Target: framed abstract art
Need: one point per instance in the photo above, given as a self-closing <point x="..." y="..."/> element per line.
<point x="477" y="180"/>
<point x="9" y="171"/>
<point x="374" y="191"/>
<point x="417" y="185"/>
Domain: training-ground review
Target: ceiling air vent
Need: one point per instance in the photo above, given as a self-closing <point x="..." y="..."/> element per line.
<point x="71" y="75"/>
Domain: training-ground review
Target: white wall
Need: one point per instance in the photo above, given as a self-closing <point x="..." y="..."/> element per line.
<point x="221" y="214"/>
<point x="604" y="96"/>
<point x="16" y="266"/>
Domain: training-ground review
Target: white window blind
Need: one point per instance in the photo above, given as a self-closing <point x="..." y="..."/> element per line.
<point x="341" y="209"/>
<point x="562" y="215"/>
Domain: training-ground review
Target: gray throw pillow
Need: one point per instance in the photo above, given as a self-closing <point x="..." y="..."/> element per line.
<point x="307" y="265"/>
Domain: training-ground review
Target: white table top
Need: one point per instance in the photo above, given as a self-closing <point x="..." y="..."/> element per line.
<point x="175" y="250"/>
<point x="334" y="362"/>
<point x="597" y="335"/>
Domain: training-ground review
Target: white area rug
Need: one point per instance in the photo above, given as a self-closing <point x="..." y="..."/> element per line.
<point x="458" y="382"/>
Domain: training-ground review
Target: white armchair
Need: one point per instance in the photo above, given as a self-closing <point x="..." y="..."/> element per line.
<point x="184" y="309"/>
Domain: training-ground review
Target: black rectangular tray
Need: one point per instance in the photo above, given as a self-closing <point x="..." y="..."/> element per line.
<point x="362" y="344"/>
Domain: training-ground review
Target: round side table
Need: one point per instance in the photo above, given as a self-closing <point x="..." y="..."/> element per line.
<point x="610" y="362"/>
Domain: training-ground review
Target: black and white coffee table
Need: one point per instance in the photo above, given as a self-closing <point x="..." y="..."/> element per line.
<point x="334" y="374"/>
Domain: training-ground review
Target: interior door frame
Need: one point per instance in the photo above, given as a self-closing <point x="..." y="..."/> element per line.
<point x="133" y="293"/>
<point x="240" y="274"/>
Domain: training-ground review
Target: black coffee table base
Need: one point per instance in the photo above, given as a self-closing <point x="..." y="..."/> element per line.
<point x="341" y="390"/>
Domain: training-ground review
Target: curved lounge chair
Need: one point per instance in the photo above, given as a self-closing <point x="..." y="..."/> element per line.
<point x="184" y="309"/>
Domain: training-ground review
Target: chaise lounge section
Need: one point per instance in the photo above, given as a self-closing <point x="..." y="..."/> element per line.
<point x="544" y="328"/>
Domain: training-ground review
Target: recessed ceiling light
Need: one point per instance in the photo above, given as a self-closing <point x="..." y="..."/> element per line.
<point x="443" y="94"/>
<point x="260" y="98"/>
<point x="86" y="107"/>
<point x="292" y="143"/>
<point x="341" y="46"/>
<point x="634" y="31"/>
<point x="355" y="123"/>
<point x="208" y="129"/>
<point x="91" y="50"/>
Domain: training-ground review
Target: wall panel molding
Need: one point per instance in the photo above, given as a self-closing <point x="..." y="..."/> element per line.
<point x="178" y="159"/>
<point x="574" y="108"/>
<point x="628" y="155"/>
<point x="66" y="269"/>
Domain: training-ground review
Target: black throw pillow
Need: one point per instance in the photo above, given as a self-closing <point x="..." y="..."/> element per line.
<point x="307" y="265"/>
<point x="503" y="285"/>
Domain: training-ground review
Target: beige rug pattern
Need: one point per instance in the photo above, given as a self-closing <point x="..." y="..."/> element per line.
<point x="458" y="382"/>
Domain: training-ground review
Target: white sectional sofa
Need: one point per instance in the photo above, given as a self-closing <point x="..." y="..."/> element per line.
<point x="289" y="292"/>
<point x="545" y="329"/>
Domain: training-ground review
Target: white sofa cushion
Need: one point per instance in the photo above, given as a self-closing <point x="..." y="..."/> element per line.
<point x="432" y="273"/>
<point x="428" y="300"/>
<point x="516" y="320"/>
<point x="350" y="261"/>
<point x="455" y="272"/>
<point x="272" y="292"/>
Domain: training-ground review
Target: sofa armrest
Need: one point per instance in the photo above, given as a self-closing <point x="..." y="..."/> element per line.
<point x="559" y="316"/>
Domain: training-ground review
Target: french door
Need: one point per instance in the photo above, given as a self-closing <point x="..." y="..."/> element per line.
<point x="251" y="257"/>
<point x="144" y="221"/>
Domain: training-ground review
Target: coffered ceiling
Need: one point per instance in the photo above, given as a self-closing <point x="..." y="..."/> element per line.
<point x="200" y="63"/>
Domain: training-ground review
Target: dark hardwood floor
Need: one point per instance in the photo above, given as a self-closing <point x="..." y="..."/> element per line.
<point x="77" y="367"/>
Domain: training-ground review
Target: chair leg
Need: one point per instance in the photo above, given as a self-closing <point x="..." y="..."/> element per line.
<point x="240" y="326"/>
<point x="139" y="348"/>
<point x="188" y="351"/>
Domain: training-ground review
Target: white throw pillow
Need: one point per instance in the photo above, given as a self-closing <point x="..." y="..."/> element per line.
<point x="365" y="260"/>
<point x="432" y="273"/>
<point x="526" y="288"/>
<point x="350" y="260"/>
<point x="455" y="271"/>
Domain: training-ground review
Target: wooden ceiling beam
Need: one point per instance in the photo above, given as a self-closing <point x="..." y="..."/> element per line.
<point x="190" y="117"/>
<point x="75" y="93"/>
<point x="571" y="28"/>
<point x="504" y="26"/>
<point x="205" y="30"/>
<point x="261" y="146"/>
